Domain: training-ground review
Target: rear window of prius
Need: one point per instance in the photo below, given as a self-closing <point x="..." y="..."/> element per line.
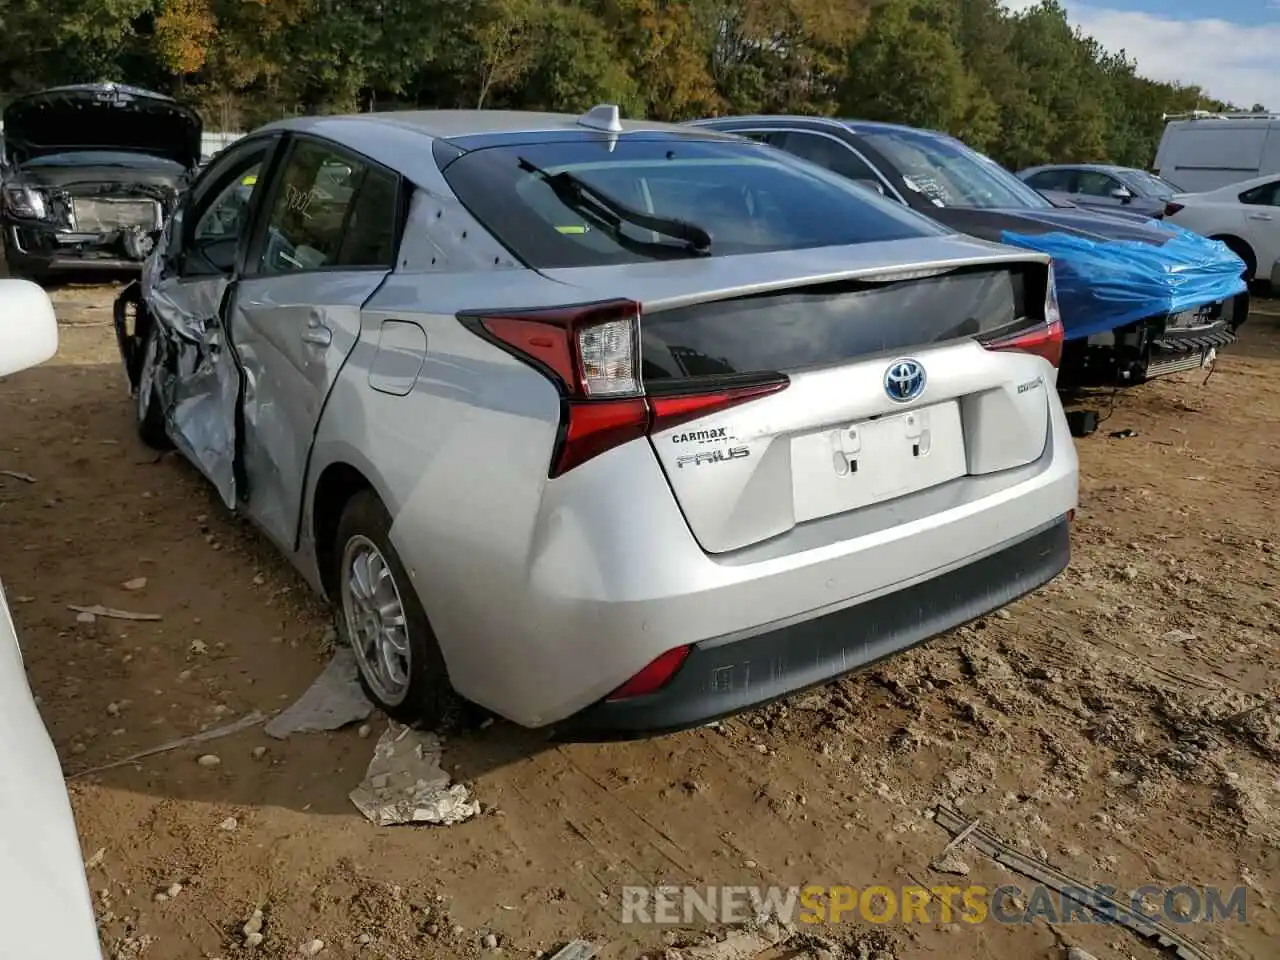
<point x="602" y="201"/>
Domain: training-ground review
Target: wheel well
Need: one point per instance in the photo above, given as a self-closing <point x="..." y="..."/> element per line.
<point x="1241" y="249"/>
<point x="335" y="488"/>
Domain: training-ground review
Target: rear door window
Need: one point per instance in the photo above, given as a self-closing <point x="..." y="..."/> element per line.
<point x="1267" y="195"/>
<point x="549" y="203"/>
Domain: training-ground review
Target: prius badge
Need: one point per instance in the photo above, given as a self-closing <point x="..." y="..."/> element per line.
<point x="904" y="380"/>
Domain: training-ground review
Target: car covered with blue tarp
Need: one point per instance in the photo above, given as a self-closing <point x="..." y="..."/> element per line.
<point x="1139" y="297"/>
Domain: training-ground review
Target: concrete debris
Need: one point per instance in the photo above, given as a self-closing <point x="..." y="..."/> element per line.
<point x="253" y="924"/>
<point x="951" y="863"/>
<point x="137" y="583"/>
<point x="405" y="782"/>
<point x="332" y="702"/>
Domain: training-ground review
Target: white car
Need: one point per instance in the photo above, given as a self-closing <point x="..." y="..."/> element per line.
<point x="44" y="899"/>
<point x="1245" y="216"/>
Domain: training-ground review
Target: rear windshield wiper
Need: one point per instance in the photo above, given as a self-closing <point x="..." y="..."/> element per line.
<point x="580" y="196"/>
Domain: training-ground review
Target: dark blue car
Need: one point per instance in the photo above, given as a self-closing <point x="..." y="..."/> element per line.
<point x="1139" y="298"/>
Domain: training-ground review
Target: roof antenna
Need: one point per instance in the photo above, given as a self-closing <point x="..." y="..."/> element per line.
<point x="604" y="116"/>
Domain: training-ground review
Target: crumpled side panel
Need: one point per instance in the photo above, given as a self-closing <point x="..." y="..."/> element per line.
<point x="1105" y="284"/>
<point x="201" y="392"/>
<point x="201" y="401"/>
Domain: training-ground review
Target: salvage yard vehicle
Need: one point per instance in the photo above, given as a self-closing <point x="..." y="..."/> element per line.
<point x="610" y="428"/>
<point x="1139" y="299"/>
<point x="44" y="898"/>
<point x="1105" y="186"/>
<point x="1245" y="216"/>
<point x="95" y="169"/>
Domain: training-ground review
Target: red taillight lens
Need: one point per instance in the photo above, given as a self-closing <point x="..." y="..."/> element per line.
<point x="592" y="428"/>
<point x="592" y="353"/>
<point x="671" y="411"/>
<point x="653" y="677"/>
<point x="1044" y="340"/>
<point x="1171" y="208"/>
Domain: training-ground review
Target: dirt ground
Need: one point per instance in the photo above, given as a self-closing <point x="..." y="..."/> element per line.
<point x="1123" y="723"/>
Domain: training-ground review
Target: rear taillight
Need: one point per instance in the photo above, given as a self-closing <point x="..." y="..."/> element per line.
<point x="592" y="353"/>
<point x="1045" y="339"/>
<point x="1171" y="208"/>
<point x="653" y="677"/>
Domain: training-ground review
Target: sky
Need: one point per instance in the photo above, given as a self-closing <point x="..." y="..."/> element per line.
<point x="1230" y="48"/>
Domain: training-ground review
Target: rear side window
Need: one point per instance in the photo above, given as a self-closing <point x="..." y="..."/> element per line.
<point x="747" y="198"/>
<point x="1267" y="195"/>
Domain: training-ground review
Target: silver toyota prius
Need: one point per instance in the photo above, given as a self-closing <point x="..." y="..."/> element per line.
<point x="608" y="427"/>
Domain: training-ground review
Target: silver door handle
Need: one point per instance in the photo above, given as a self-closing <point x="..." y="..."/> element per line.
<point x="1259" y="216"/>
<point x="317" y="335"/>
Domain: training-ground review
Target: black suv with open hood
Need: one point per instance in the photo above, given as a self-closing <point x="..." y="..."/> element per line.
<point x="94" y="169"/>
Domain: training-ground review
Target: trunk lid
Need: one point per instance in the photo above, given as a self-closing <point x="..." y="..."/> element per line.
<point x="101" y="116"/>
<point x="889" y="391"/>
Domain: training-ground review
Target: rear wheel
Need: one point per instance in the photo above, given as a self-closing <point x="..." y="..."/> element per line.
<point x="148" y="413"/>
<point x="401" y="667"/>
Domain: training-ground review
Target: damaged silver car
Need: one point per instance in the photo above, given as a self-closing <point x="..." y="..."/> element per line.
<point x="613" y="427"/>
<point x="94" y="170"/>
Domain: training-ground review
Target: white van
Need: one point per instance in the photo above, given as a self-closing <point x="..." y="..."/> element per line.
<point x="1204" y="151"/>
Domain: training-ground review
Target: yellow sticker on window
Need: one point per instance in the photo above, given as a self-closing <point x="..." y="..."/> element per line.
<point x="250" y="180"/>
<point x="573" y="229"/>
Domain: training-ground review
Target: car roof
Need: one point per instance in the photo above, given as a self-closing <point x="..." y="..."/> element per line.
<point x="1243" y="185"/>
<point x="455" y="124"/>
<point x="1096" y="167"/>
<point x="855" y="126"/>
<point x="401" y="139"/>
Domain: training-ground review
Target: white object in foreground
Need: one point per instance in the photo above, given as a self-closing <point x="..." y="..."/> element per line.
<point x="28" y="330"/>
<point x="44" y="899"/>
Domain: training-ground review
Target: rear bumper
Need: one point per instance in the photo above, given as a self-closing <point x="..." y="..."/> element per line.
<point x="716" y="681"/>
<point x="564" y="591"/>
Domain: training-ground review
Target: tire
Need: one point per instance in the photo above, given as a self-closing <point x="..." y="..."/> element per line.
<point x="147" y="411"/>
<point x="408" y="680"/>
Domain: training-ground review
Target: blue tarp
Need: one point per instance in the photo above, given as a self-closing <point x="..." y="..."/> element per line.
<point x="1104" y="284"/>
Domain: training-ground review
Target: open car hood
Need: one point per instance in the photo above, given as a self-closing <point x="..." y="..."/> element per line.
<point x="101" y="116"/>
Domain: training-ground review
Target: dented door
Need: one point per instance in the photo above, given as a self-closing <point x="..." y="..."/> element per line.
<point x="200" y="391"/>
<point x="187" y="288"/>
<point x="327" y="242"/>
<point x="292" y="334"/>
